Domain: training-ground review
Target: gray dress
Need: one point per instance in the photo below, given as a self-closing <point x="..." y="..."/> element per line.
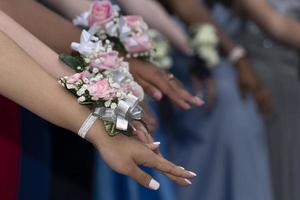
<point x="278" y="67"/>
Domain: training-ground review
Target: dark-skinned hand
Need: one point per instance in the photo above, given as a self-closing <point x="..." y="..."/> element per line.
<point x="157" y="82"/>
<point x="249" y="82"/>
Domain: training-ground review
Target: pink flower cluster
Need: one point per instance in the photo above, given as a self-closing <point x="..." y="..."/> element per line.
<point x="132" y="29"/>
<point x="108" y="60"/>
<point x="138" y="40"/>
<point x="76" y="77"/>
<point x="102" y="12"/>
<point x="101" y="89"/>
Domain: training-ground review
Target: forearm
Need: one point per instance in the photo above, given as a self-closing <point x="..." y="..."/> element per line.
<point x="52" y="29"/>
<point x="281" y="28"/>
<point x="68" y="8"/>
<point x="23" y="81"/>
<point x="160" y="20"/>
<point x="192" y="11"/>
<point x="42" y="54"/>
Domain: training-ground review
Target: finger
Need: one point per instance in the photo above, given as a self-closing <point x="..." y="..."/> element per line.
<point x="150" y="138"/>
<point x="185" y="95"/>
<point x="150" y="89"/>
<point x="161" y="164"/>
<point x="153" y="146"/>
<point x="140" y="135"/>
<point x="160" y="82"/>
<point x="143" y="178"/>
<point x="181" y="181"/>
<point x="211" y="93"/>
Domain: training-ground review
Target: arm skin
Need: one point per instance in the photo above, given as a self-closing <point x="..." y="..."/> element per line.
<point x="192" y="11"/>
<point x="29" y="10"/>
<point x="280" y="28"/>
<point x="160" y="21"/>
<point x="25" y="82"/>
<point x="47" y="26"/>
<point x="42" y="54"/>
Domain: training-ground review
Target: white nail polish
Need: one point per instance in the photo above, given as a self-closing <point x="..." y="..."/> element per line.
<point x="181" y="167"/>
<point x="156" y="143"/>
<point x="188" y="181"/>
<point x="192" y="173"/>
<point x="154" y="185"/>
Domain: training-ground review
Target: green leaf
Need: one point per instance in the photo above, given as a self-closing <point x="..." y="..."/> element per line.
<point x="112" y="131"/>
<point x="75" y="62"/>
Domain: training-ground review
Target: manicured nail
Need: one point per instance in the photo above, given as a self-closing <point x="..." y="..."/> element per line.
<point x="154" y="185"/>
<point x="181" y="167"/>
<point x="156" y="143"/>
<point x="157" y="95"/>
<point x="186" y="106"/>
<point x="192" y="173"/>
<point x="188" y="181"/>
<point x="199" y="101"/>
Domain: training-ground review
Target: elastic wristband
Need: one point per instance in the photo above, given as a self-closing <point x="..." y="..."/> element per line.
<point x="87" y="124"/>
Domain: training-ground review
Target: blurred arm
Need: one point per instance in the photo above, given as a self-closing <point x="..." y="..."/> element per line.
<point x="42" y="54"/>
<point x="277" y="26"/>
<point x="68" y="8"/>
<point x="23" y="81"/>
<point x="192" y="11"/>
<point x="157" y="17"/>
<point x="52" y="29"/>
<point x="160" y="21"/>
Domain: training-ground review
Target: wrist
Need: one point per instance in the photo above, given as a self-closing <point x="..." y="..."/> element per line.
<point x="97" y="135"/>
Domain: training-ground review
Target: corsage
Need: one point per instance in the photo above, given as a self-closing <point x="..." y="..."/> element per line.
<point x="104" y="83"/>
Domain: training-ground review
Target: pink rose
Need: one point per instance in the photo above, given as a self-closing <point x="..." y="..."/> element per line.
<point x="101" y="89"/>
<point x="102" y="12"/>
<point x="135" y="22"/>
<point x="138" y="43"/>
<point x="135" y="89"/>
<point x="138" y="40"/>
<point x="76" y="77"/>
<point x="106" y="61"/>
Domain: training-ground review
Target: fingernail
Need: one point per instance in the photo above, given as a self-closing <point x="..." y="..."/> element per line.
<point x="199" y="101"/>
<point x="154" y="185"/>
<point x="181" y="167"/>
<point x="188" y="181"/>
<point x="187" y="107"/>
<point x="192" y="173"/>
<point x="156" y="143"/>
<point x="157" y="95"/>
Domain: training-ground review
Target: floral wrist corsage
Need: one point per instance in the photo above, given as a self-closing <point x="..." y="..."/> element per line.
<point x="205" y="43"/>
<point x="128" y="34"/>
<point x="104" y="83"/>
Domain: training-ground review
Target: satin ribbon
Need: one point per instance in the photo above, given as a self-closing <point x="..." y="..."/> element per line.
<point x="126" y="111"/>
<point x="86" y="46"/>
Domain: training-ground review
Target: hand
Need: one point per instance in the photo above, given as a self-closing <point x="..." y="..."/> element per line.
<point x="124" y="155"/>
<point x="157" y="83"/>
<point x="249" y="82"/>
<point x="143" y="135"/>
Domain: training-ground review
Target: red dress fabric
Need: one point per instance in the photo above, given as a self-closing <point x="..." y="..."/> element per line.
<point x="10" y="140"/>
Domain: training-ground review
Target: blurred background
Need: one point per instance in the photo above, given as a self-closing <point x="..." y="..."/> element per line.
<point x="243" y="143"/>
